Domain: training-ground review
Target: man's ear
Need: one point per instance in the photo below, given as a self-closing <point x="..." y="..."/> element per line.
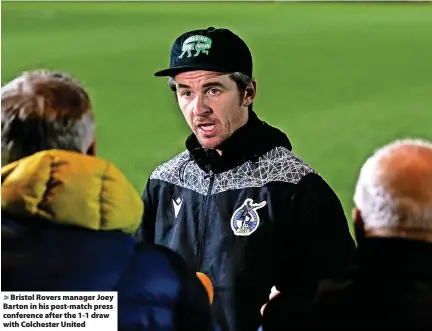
<point x="358" y="225"/>
<point x="250" y="94"/>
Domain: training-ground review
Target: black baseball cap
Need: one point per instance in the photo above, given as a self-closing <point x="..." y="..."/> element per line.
<point x="210" y="49"/>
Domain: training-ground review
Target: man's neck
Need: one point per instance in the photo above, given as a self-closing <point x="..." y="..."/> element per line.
<point x="413" y="234"/>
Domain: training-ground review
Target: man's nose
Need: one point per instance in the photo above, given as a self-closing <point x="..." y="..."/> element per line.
<point x="201" y="106"/>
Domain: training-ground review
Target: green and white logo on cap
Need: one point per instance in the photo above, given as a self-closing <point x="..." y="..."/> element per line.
<point x="199" y="44"/>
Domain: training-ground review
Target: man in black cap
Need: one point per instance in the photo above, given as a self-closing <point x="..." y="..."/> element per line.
<point x="238" y="204"/>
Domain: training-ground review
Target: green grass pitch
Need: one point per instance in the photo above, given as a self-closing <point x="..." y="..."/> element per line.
<point x="340" y="79"/>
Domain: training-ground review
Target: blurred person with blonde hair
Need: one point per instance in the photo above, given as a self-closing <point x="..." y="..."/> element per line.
<point x="68" y="217"/>
<point x="391" y="284"/>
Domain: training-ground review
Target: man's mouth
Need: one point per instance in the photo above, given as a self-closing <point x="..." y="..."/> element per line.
<point x="207" y="128"/>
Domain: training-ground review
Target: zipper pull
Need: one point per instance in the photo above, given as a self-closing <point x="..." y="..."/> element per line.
<point x="209" y="172"/>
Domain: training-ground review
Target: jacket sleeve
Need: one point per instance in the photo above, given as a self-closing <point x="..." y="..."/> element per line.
<point x="146" y="232"/>
<point x="315" y="242"/>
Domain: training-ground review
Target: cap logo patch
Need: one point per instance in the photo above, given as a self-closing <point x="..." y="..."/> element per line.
<point x="198" y="44"/>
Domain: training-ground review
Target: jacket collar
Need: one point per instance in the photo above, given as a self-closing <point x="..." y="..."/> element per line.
<point x="248" y="143"/>
<point x="395" y="256"/>
<point x="68" y="188"/>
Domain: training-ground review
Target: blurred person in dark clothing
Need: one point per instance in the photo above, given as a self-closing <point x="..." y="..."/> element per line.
<point x="68" y="216"/>
<point x="391" y="284"/>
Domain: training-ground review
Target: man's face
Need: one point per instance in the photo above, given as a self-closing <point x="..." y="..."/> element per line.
<point x="211" y="105"/>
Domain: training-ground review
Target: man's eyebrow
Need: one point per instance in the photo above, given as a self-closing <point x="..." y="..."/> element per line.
<point x="211" y="84"/>
<point x="206" y="85"/>
<point x="182" y="86"/>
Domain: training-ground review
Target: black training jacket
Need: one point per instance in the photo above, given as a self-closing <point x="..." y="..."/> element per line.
<point x="255" y="217"/>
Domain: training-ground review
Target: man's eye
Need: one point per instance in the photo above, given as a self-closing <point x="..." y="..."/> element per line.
<point x="214" y="91"/>
<point x="186" y="93"/>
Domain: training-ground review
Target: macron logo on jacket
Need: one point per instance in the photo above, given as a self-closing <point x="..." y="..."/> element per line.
<point x="177" y="205"/>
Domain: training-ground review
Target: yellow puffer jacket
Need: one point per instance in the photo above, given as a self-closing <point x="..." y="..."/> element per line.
<point x="72" y="189"/>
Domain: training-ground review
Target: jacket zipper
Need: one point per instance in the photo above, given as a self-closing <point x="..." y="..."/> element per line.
<point x="202" y="229"/>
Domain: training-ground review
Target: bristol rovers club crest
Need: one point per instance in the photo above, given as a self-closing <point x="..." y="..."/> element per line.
<point x="245" y="219"/>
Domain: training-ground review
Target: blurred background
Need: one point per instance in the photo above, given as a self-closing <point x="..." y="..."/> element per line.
<point x="340" y="79"/>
